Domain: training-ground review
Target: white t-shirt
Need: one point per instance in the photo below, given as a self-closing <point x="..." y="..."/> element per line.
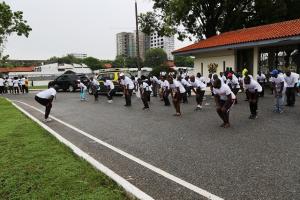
<point x="95" y="82"/>
<point x="234" y="82"/>
<point x="1" y="82"/>
<point x="278" y="82"/>
<point x="23" y="81"/>
<point x="81" y="85"/>
<point x="154" y="79"/>
<point x="165" y="85"/>
<point x="127" y="81"/>
<point x="146" y="87"/>
<point x="223" y="92"/>
<point x="10" y="82"/>
<point x="261" y="78"/>
<point x="46" y="94"/>
<point x="198" y="84"/>
<point x="110" y="84"/>
<point x="176" y="84"/>
<point x="185" y="83"/>
<point x="254" y="85"/>
<point x="224" y="78"/>
<point x="290" y="81"/>
<point x="16" y="83"/>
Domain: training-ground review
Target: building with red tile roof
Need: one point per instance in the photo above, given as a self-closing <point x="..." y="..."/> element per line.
<point x="16" y="69"/>
<point x="241" y="48"/>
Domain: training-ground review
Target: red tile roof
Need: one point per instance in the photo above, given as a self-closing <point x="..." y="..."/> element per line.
<point x="16" y="69"/>
<point x="254" y="34"/>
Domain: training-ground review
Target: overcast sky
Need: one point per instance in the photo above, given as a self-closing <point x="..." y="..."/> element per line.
<point x="74" y="26"/>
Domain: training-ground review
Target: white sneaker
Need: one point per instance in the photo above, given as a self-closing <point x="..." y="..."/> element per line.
<point x="47" y="120"/>
<point x="109" y="101"/>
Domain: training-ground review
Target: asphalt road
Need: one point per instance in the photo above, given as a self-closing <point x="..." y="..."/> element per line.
<point x="254" y="159"/>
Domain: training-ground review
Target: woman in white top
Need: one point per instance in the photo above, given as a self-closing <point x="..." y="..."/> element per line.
<point x="177" y="92"/>
<point x="111" y="89"/>
<point x="165" y="91"/>
<point x="224" y="99"/>
<point x="198" y="88"/>
<point x="145" y="91"/>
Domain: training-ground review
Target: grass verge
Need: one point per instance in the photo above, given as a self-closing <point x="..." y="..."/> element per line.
<point x="43" y="87"/>
<point x="34" y="165"/>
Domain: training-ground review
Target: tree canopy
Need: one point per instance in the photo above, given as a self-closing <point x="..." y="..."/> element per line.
<point x="184" y="61"/>
<point x="155" y="57"/>
<point x="203" y="19"/>
<point x="11" y="22"/>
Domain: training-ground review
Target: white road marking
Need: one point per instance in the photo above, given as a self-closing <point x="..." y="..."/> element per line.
<point x="131" y="189"/>
<point x="157" y="170"/>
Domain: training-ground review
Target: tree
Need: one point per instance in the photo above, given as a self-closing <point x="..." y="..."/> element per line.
<point x="203" y="19"/>
<point x="155" y="57"/>
<point x="183" y="61"/>
<point x="93" y="63"/>
<point x="11" y="22"/>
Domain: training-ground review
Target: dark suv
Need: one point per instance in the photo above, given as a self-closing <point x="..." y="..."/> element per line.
<point x="69" y="82"/>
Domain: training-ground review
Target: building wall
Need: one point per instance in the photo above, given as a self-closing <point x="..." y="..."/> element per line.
<point x="222" y="57"/>
<point x="166" y="43"/>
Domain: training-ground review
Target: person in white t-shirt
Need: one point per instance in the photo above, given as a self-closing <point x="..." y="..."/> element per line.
<point x="177" y="91"/>
<point x="95" y="86"/>
<point x="23" y="88"/>
<point x="233" y="82"/>
<point x="111" y="89"/>
<point x="291" y="81"/>
<point x="252" y="88"/>
<point x="16" y="85"/>
<point x="1" y="85"/>
<point x="10" y="85"/>
<point x="198" y="88"/>
<point x="186" y="85"/>
<point x="165" y="90"/>
<point x="279" y="90"/>
<point x="261" y="79"/>
<point x="155" y="85"/>
<point x="144" y="91"/>
<point x="224" y="99"/>
<point x="45" y="98"/>
<point x="128" y="87"/>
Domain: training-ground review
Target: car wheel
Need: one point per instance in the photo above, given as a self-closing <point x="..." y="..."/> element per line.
<point x="90" y="91"/>
<point x="71" y="88"/>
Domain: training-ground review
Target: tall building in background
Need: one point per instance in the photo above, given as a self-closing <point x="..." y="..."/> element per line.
<point x="125" y="44"/>
<point x="165" y="43"/>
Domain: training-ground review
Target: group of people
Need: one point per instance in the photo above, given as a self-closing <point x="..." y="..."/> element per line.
<point x="14" y="85"/>
<point x="224" y="88"/>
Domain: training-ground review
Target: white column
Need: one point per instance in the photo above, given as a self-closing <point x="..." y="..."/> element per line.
<point x="255" y="61"/>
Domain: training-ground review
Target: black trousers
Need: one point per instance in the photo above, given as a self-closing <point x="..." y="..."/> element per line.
<point x="199" y="96"/>
<point x="166" y="98"/>
<point x="185" y="97"/>
<point x="45" y="102"/>
<point x="1" y="89"/>
<point x="110" y="94"/>
<point x="16" y="89"/>
<point x="290" y="96"/>
<point x="128" y="95"/>
<point x="23" y="89"/>
<point x="253" y="102"/>
<point x="145" y="98"/>
<point x="11" y="89"/>
<point x="154" y="88"/>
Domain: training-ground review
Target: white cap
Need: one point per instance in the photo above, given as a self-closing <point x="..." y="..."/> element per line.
<point x="121" y="74"/>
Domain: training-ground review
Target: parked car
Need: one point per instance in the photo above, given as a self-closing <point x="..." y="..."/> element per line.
<point x="111" y="75"/>
<point x="69" y="82"/>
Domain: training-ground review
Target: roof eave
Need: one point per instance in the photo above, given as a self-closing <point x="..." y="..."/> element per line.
<point x="262" y="43"/>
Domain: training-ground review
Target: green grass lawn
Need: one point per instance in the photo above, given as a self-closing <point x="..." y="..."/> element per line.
<point x="34" y="165"/>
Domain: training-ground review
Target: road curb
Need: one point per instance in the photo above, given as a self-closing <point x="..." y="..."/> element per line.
<point x="131" y="190"/>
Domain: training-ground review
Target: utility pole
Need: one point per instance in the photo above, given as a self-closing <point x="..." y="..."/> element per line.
<point x="137" y="41"/>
